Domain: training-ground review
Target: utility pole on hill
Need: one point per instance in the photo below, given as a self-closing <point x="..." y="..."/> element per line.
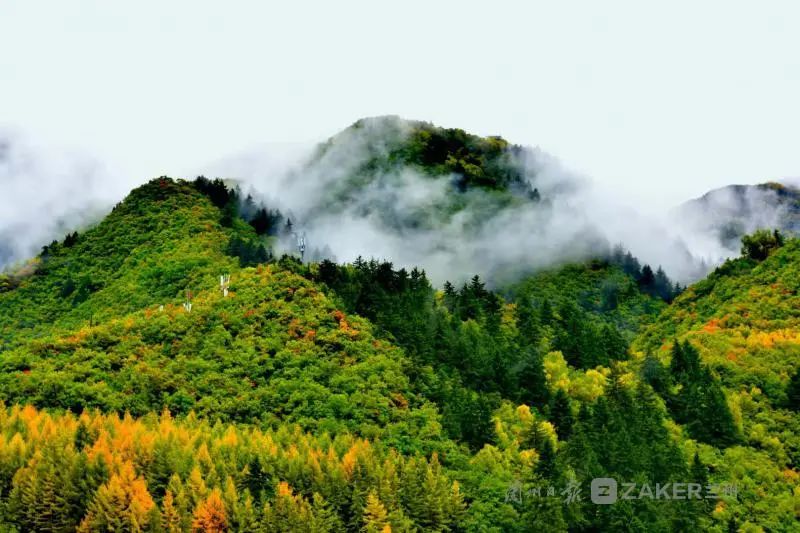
<point x="224" y="283"/>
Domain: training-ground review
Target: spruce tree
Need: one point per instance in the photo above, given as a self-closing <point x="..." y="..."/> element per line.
<point x="324" y="517"/>
<point x="374" y="516"/>
<point x="527" y="321"/>
<point x="613" y="344"/>
<point x="793" y="392"/>
<point x="561" y="414"/>
<point x="647" y="279"/>
<point x="210" y="514"/>
<point x="171" y="519"/>
<point x="653" y="373"/>
<point x="122" y="504"/>
<point x="709" y="417"/>
<point x="546" y="466"/>
<point x="532" y="382"/>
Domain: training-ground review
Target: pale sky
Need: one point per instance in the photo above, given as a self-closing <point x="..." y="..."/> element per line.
<point x="660" y="100"/>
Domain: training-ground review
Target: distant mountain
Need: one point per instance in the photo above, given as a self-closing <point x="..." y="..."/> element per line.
<point x="408" y="176"/>
<point x="451" y="201"/>
<point x="458" y="204"/>
<point x="730" y="212"/>
<point x="366" y="163"/>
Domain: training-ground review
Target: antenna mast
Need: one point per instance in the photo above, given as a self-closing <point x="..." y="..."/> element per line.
<point x="301" y="245"/>
<point x="224" y="283"/>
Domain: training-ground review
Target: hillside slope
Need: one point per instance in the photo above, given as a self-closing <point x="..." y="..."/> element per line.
<point x="164" y="239"/>
<point x="744" y="320"/>
<point x="297" y="389"/>
<point x="101" y="324"/>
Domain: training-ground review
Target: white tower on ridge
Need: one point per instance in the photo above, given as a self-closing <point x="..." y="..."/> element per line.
<point x="301" y="245"/>
<point x="224" y="283"/>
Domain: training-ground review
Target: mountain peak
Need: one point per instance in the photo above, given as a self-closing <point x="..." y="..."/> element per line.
<point x="165" y="237"/>
<point x="728" y="213"/>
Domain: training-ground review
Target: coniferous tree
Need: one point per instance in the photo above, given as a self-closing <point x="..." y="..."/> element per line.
<point x="181" y="504"/>
<point x="122" y="504"/>
<point x="647" y="280"/>
<point x="171" y="519"/>
<point x="528" y="321"/>
<point x="532" y="382"/>
<point x="229" y="213"/>
<point x="82" y="436"/>
<point x="71" y="239"/>
<point x="210" y="515"/>
<point x="561" y="414"/>
<point x="260" y="221"/>
<point x="654" y="374"/>
<point x="44" y="495"/>
<point x="709" y="416"/>
<point x="248" y="208"/>
<point x="571" y="338"/>
<point x="546" y="313"/>
<point x="612" y="344"/>
<point x="546" y="465"/>
<point x="450" y="294"/>
<point x="699" y="474"/>
<point x="685" y="363"/>
<point x="216" y="190"/>
<point x="324" y="517"/>
<point x="632" y="266"/>
<point x="793" y="392"/>
<point x="699" y="401"/>
<point x="375" y="517"/>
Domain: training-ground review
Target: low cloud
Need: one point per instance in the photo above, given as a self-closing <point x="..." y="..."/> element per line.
<point x="47" y="191"/>
<point x="397" y="212"/>
<point x="403" y="215"/>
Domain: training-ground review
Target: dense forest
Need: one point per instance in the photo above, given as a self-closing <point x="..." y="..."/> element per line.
<point x="169" y="369"/>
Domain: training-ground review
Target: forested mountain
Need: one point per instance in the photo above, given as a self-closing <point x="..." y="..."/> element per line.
<point x="454" y="202"/>
<point x="130" y="317"/>
<point x="740" y="332"/>
<point x="362" y="166"/>
<point x="171" y="369"/>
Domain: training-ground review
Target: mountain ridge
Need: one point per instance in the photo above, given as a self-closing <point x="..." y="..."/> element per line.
<point x="728" y="213"/>
<point x="598" y="368"/>
<point x="279" y="351"/>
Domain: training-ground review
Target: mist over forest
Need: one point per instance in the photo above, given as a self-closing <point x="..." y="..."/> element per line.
<point x="405" y="304"/>
<point x="352" y="199"/>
